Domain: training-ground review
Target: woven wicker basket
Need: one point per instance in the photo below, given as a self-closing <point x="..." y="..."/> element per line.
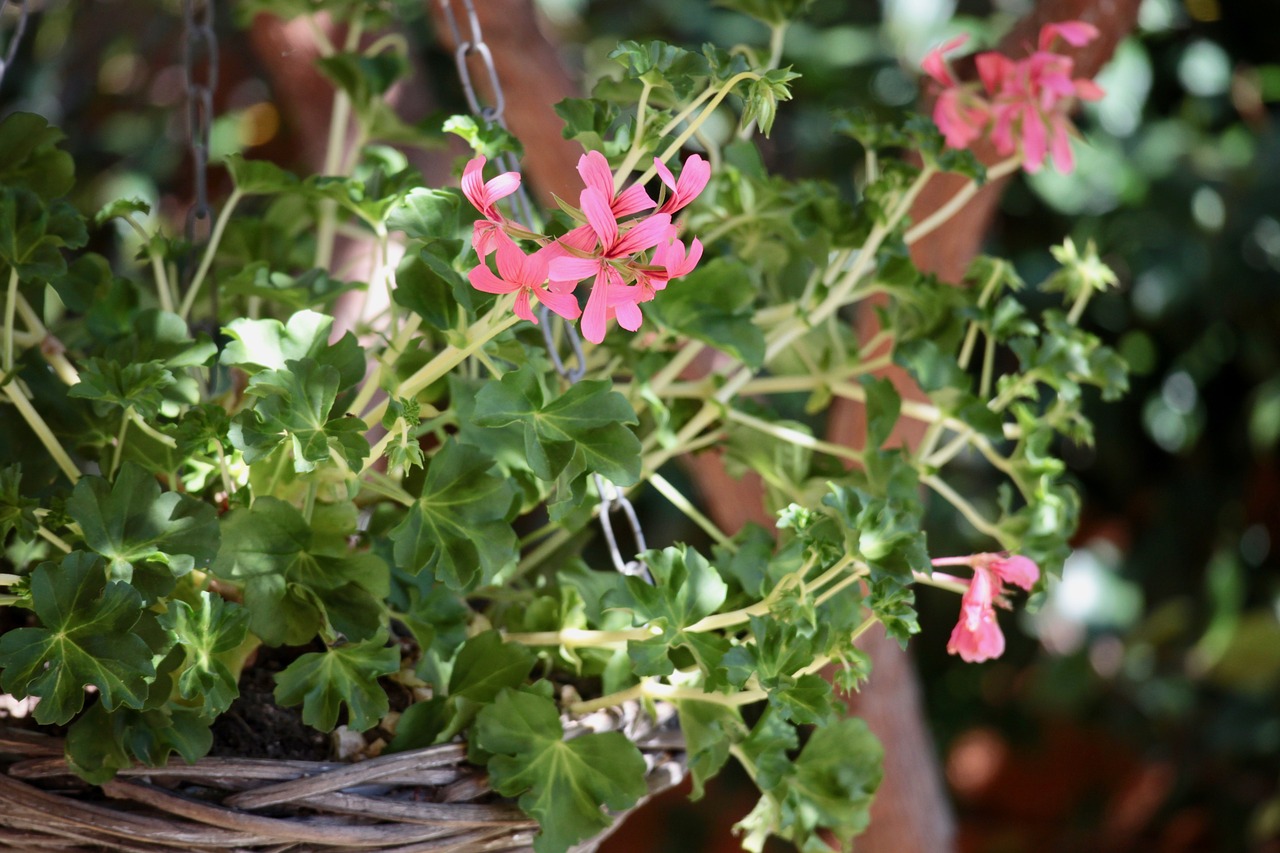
<point x="424" y="800"/>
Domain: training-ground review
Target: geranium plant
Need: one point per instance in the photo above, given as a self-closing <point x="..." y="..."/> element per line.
<point x="413" y="506"/>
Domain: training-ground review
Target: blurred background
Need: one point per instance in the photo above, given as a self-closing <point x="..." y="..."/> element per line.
<point x="1138" y="705"/>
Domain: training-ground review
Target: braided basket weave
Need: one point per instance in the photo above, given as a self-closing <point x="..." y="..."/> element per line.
<point x="423" y="800"/>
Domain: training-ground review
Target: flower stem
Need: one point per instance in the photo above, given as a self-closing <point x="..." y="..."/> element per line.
<point x="215" y="238"/>
<point x="10" y="312"/>
<point x="954" y="204"/>
<point x="42" y="431"/>
<point x="680" y="502"/>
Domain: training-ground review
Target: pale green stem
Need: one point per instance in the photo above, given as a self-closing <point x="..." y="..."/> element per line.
<point x="115" y="457"/>
<point x="1077" y="308"/>
<point x="223" y="469"/>
<point x="380" y="449"/>
<point x="971" y="334"/>
<point x="777" y="37"/>
<point x="576" y="638"/>
<point x="10" y="314"/>
<point x="793" y="436"/>
<point x="689" y="131"/>
<point x="52" y="538"/>
<point x="157" y="265"/>
<point x="166" y="440"/>
<point x="637" y="144"/>
<point x="965" y="508"/>
<point x="680" y="502"/>
<point x="215" y="238"/>
<point x="988" y="366"/>
<point x="956" y="586"/>
<point x="50" y="347"/>
<point x="42" y="431"/>
<point x="676" y="366"/>
<point x="381" y="484"/>
<point x="953" y="205"/>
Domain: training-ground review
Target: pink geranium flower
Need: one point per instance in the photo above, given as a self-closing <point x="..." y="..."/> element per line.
<point x="527" y="275"/>
<point x="670" y="261"/>
<point x="484" y="197"/>
<point x="977" y="636"/>
<point x="1022" y="104"/>
<point x="615" y="249"/>
<point x="693" y="179"/>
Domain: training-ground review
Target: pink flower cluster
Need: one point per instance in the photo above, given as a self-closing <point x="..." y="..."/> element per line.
<point x="977" y="635"/>
<point x="628" y="257"/>
<point x="1023" y="104"/>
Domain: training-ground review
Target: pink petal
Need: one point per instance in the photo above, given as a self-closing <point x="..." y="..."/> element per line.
<point x="502" y="186"/>
<point x="601" y="219"/>
<point x="564" y="304"/>
<point x="994" y="70"/>
<point x="569" y="268"/>
<point x="1017" y="570"/>
<point x="665" y="174"/>
<point x="511" y="262"/>
<point x="596" y="174"/>
<point x="473" y="183"/>
<point x="631" y="200"/>
<point x="979" y="642"/>
<point x="486" y="236"/>
<point x="1074" y="33"/>
<point x="1035" y="143"/>
<point x="1002" y="131"/>
<point x="935" y="65"/>
<point x="629" y="316"/>
<point x="595" y="317"/>
<point x="522" y="309"/>
<point x="1063" y="159"/>
<point x="693" y="179"/>
<point x="1087" y="90"/>
<point x="644" y="235"/>
<point x="483" y="279"/>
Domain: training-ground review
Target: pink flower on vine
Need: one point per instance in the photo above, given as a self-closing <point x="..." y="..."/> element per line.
<point x="670" y="261"/>
<point x="613" y="254"/>
<point x="527" y="276"/>
<point x="977" y="636"/>
<point x="1023" y="103"/>
<point x="484" y="197"/>
<point x="693" y="180"/>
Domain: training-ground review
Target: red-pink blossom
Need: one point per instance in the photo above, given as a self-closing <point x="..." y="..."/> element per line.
<point x="616" y="248"/>
<point x="484" y="197"/>
<point x="977" y="636"/>
<point x="525" y="275"/>
<point x="1022" y="103"/>
<point x="693" y="179"/>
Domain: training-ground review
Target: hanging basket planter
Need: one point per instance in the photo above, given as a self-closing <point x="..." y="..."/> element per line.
<point x="421" y="800"/>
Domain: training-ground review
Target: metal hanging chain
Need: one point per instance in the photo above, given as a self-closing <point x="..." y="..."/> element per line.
<point x="199" y="54"/>
<point x="611" y="497"/>
<point x="12" y="51"/>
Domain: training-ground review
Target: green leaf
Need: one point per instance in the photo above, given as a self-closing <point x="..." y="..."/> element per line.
<point x="883" y="405"/>
<point x="771" y="12"/>
<point x="259" y="177"/>
<point x="102" y="742"/>
<point x="427" y="284"/>
<point x="781" y="650"/>
<point x="268" y="345"/>
<point x="294" y="405"/>
<point x="299" y="581"/>
<point x="213" y="628"/>
<point x="33" y="233"/>
<point x="590" y="122"/>
<point x="131" y="521"/>
<point x="584" y="423"/>
<point x="121" y="207"/>
<point x="30" y="157"/>
<point x="484" y="667"/>
<point x="686" y="588"/>
<point x="457" y="529"/>
<point x="426" y="214"/>
<point x="714" y="304"/>
<point x="836" y="777"/>
<point x="85" y="638"/>
<point x="310" y="289"/>
<point x="139" y="385"/>
<point x="662" y="65"/>
<point x="564" y="784"/>
<point x="709" y="729"/>
<point x="16" y="512"/>
<point x="323" y="681"/>
<point x="763" y="95"/>
<point x="488" y="139"/>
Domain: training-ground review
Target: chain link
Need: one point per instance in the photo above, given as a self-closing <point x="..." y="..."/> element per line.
<point x="199" y="53"/>
<point x="612" y="499"/>
<point x="14" y="40"/>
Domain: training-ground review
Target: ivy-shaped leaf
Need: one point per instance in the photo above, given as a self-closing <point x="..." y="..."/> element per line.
<point x="131" y="522"/>
<point x="111" y="386"/>
<point x="85" y="637"/>
<point x="294" y="405"/>
<point x="299" y="580"/>
<point x="564" y="784"/>
<point x="457" y="529"/>
<point x="342" y="675"/>
<point x="100" y="742"/>
<point x="714" y="304"/>
<point x="269" y="344"/>
<point x="212" y="628"/>
<point x="585" y="424"/>
<point x="16" y="512"/>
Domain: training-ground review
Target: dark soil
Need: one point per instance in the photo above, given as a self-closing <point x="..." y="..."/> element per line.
<point x="255" y="727"/>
